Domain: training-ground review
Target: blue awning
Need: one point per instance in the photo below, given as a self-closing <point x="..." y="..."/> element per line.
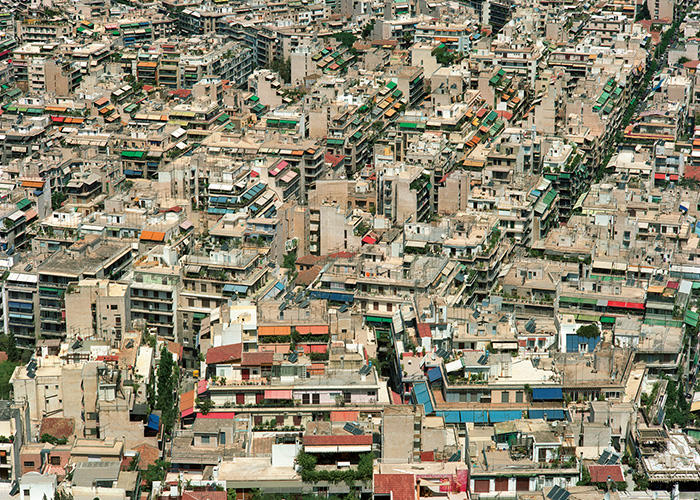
<point x="547" y="394"/>
<point x="434" y="374"/>
<point x="235" y="288"/>
<point x="474" y="416"/>
<point x="548" y="414"/>
<point x="496" y="416"/>
<point x="421" y="396"/>
<point x="153" y="422"/>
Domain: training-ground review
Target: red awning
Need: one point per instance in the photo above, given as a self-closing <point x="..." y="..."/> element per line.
<point x="615" y="303"/>
<point x="660" y="177"/>
<point x="369" y="240"/>
<point x="187" y="412"/>
<point x="345" y="416"/>
<point x="673" y="177"/>
<point x="634" y="305"/>
<point x="312" y="329"/>
<point x="278" y="394"/>
<point x="218" y="414"/>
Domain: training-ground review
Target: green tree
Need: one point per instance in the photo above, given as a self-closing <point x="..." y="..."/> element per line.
<point x="57" y="199"/>
<point x="346" y="39"/>
<point x="204" y="405"/>
<point x="368" y="28"/>
<point x="283" y="68"/>
<point x="155" y="472"/>
<point x="6" y="370"/>
<point x="588" y="331"/>
<point x="165" y="400"/>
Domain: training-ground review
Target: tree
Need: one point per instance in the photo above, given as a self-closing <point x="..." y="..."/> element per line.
<point x="155" y="472"/>
<point x="204" y="405"/>
<point x="57" y="199"/>
<point x="165" y="400"/>
<point x="283" y="68"/>
<point x="683" y="60"/>
<point x="346" y="39"/>
<point x="643" y="13"/>
<point x="588" y="331"/>
<point x="444" y="56"/>
<point x="368" y="28"/>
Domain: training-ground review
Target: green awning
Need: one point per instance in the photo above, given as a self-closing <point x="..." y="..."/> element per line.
<point x="254" y="98"/>
<point x="610" y="320"/>
<point x="335" y="142"/>
<point x="691" y="318"/>
<point x="272" y="121"/>
<point x="199" y="315"/>
<point x="408" y="125"/>
<point x="377" y="319"/>
<point x="357" y="135"/>
<point x="50" y="289"/>
<point x="22" y="204"/>
<point x="222" y="118"/>
<point x="133" y="154"/>
<point x="288" y="122"/>
<point x="391" y="85"/>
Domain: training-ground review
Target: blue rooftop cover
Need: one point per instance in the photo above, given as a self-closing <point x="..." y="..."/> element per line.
<point x="547" y="394"/>
<point x="434" y="374"/>
<point x="153" y="422"/>
<point x="422" y="397"/>
<point x="551" y="414"/>
<point x="504" y="415"/>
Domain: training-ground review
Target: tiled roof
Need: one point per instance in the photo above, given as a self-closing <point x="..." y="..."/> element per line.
<point x="203" y="495"/>
<point x="337" y="440"/>
<point x="224" y="354"/>
<point x="257" y="358"/>
<point x="57" y="427"/>
<point x="600" y="473"/>
<point x="400" y="486"/>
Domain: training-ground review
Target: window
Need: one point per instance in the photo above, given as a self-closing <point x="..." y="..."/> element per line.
<point x="505" y="397"/>
<point x="29" y="464"/>
<point x="305" y="399"/>
<point x="519" y="397"/>
<point x="55" y="460"/>
<point x="347" y="397"/>
<point x="389" y="307"/>
<point x="205" y="439"/>
<point x="316" y="399"/>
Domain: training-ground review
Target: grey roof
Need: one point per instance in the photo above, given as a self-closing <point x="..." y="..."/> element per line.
<point x="88" y="473"/>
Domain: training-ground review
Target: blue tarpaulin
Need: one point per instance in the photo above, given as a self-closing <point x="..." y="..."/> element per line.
<point x="153" y="422"/>
<point x="547" y="394"/>
<point x="549" y="414"/>
<point x="434" y="374"/>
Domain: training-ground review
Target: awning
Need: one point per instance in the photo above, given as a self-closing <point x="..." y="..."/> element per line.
<point x="369" y="240"/>
<point x="278" y="394"/>
<point x="547" y="414"/>
<point x="547" y="394"/>
<point x="235" y="288"/>
<point x="607" y="319"/>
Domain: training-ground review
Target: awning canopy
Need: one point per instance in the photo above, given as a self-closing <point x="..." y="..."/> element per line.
<point x="278" y="394"/>
<point x="547" y="394"/>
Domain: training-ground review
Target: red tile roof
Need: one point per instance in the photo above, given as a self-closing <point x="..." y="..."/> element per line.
<point x="427" y="456"/>
<point x="147" y="455"/>
<point x="224" y="354"/>
<point x="600" y="473"/>
<point x="257" y="358"/>
<point x="401" y="486"/>
<point x="308" y="260"/>
<point x="57" y="426"/>
<point x="307" y="277"/>
<point x="423" y="330"/>
<point x="337" y="440"/>
<point x="203" y="495"/>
